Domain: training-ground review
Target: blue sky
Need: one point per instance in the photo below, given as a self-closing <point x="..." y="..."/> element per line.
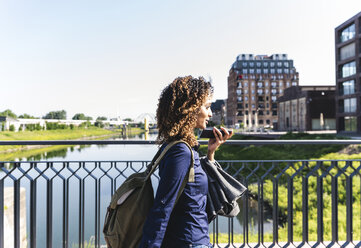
<point x="113" y="58"/>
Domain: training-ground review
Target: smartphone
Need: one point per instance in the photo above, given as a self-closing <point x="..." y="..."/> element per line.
<point x="208" y="133"/>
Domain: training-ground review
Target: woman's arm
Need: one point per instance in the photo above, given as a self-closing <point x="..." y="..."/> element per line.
<point x="176" y="165"/>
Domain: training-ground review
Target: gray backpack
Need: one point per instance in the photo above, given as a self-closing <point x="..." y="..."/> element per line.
<point x="130" y="204"/>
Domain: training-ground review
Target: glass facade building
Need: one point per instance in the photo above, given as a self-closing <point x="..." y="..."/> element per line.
<point x="348" y="75"/>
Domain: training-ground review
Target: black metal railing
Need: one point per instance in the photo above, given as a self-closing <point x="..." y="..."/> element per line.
<point x="289" y="203"/>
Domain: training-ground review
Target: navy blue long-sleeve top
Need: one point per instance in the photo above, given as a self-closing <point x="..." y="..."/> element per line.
<point x="187" y="223"/>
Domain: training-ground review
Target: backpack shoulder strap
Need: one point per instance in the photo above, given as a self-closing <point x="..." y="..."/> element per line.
<point x="158" y="157"/>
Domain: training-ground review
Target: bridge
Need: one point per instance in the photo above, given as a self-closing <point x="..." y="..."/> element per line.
<point x="304" y="203"/>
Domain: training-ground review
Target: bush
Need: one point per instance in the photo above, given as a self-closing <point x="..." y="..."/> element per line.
<point x="85" y="124"/>
<point x="99" y="124"/>
<point x="12" y="128"/>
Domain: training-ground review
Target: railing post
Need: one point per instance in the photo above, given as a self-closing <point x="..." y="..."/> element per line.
<point x="66" y="213"/>
<point x="261" y="214"/>
<point x="17" y="214"/>
<point x="1" y="212"/>
<point x="33" y="213"/>
<point x="349" y="208"/>
<point x="319" y="210"/>
<point x="290" y="210"/>
<point x="275" y="211"/>
<point x="334" y="208"/>
<point x="49" y="214"/>
<point x="305" y="210"/>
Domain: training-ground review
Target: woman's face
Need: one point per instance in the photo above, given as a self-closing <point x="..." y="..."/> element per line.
<point x="204" y="114"/>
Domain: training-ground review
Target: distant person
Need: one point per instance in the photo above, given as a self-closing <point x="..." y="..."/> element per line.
<point x="183" y="106"/>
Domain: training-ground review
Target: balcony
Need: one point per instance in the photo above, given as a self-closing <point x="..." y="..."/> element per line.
<point x="290" y="203"/>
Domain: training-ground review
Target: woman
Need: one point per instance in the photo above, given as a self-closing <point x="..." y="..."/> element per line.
<point x="183" y="106"/>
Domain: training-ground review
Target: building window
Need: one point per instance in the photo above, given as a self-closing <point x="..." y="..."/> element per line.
<point x="253" y="83"/>
<point x="349" y="105"/>
<point x="260" y="121"/>
<point x="258" y="71"/>
<point x="279" y="64"/>
<point x="246" y="98"/>
<point x="265" y="71"/>
<point x="247" y="113"/>
<point x="266" y="84"/>
<point x="348" y="69"/>
<point x="244" y="64"/>
<point x="239" y="85"/>
<point x="348" y="33"/>
<point x="244" y="71"/>
<point x="294" y="83"/>
<point x="274" y="91"/>
<point x="259" y="84"/>
<point x="265" y="64"/>
<point x="239" y="92"/>
<point x="258" y="64"/>
<point x="279" y="71"/>
<point x="348" y="51"/>
<point x="268" y="122"/>
<point x="288" y="84"/>
<point x="260" y="112"/>
<point x="267" y="112"/>
<point x="281" y="84"/>
<point x="266" y="91"/>
<point x="253" y="98"/>
<point x="240" y="106"/>
<point x="274" y="105"/>
<point x="240" y="113"/>
<point x="272" y="71"/>
<point x="245" y="84"/>
<point x="260" y="98"/>
<point x="274" y="84"/>
<point x="260" y="91"/>
<point x="251" y="64"/>
<point x="274" y="98"/>
<point x="245" y="91"/>
<point x="347" y="87"/>
<point x="274" y="112"/>
<point x="286" y="64"/>
<point x="286" y="71"/>
<point x="350" y="123"/>
<point x="240" y="99"/>
<point x="253" y="106"/>
<point x="272" y="64"/>
<point x="251" y="71"/>
<point x="252" y="91"/>
<point x="281" y="91"/>
<point x="280" y="76"/>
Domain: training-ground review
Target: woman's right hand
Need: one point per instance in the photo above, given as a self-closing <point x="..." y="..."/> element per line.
<point x="219" y="139"/>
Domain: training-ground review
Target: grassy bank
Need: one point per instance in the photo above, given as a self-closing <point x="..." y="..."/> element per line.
<point x="61" y="134"/>
<point x="276" y="152"/>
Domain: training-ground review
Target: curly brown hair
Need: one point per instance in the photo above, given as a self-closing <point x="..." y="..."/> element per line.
<point x="178" y="107"/>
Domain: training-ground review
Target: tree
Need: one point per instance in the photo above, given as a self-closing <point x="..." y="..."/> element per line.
<point x="81" y="116"/>
<point x="101" y="118"/>
<point x="8" y="113"/>
<point x="128" y="119"/>
<point x="59" y="115"/>
<point x="26" y="116"/>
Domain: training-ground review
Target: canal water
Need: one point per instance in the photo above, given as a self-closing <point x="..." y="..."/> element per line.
<point x="97" y="153"/>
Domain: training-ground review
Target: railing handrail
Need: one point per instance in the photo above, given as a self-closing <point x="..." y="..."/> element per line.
<point x="203" y="142"/>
